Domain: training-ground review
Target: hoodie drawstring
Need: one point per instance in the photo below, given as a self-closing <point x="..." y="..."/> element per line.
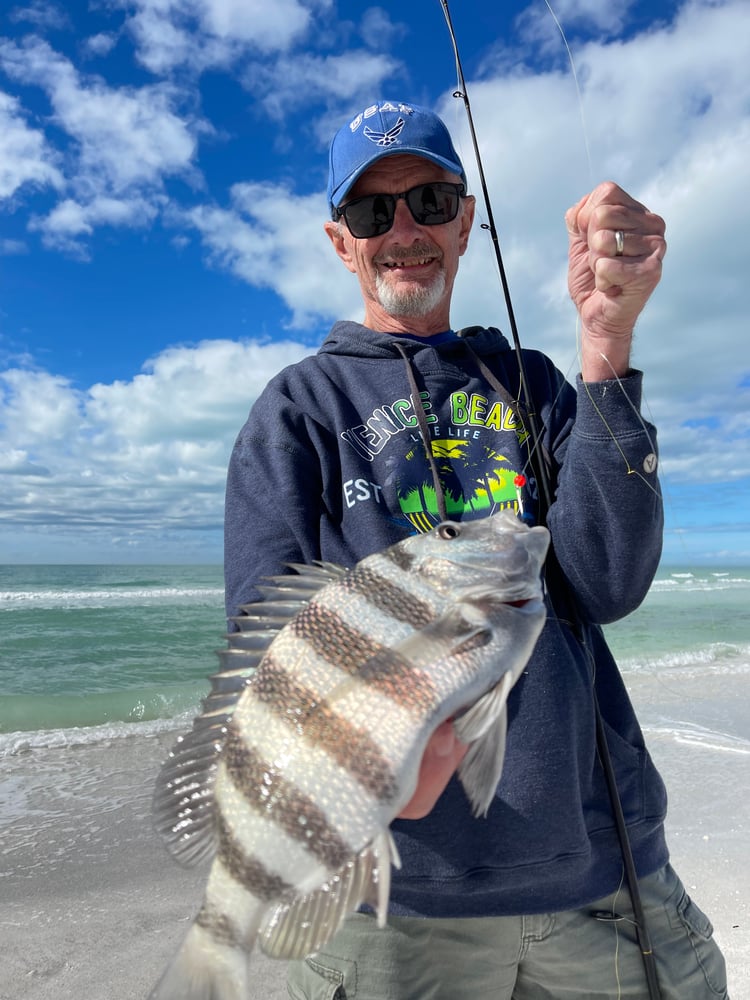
<point x="424" y="432"/>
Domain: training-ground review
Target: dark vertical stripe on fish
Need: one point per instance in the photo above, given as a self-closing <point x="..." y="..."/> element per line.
<point x="219" y="926"/>
<point x="248" y="870"/>
<point x="388" y="597"/>
<point x="304" y="711"/>
<point x="400" y="557"/>
<point x="266" y="791"/>
<point x="344" y="647"/>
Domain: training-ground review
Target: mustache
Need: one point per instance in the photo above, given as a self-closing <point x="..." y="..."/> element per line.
<point x="396" y="255"/>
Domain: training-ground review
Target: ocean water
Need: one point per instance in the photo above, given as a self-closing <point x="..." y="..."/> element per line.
<point x="89" y="653"/>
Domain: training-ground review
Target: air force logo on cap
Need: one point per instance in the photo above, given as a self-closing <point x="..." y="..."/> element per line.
<point x="382" y="129"/>
<point x="385" y="138"/>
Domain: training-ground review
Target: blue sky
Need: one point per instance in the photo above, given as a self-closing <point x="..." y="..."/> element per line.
<point x="162" y="179"/>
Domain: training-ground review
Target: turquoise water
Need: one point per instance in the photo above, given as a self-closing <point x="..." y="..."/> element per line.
<point x="95" y="650"/>
<point x="84" y="646"/>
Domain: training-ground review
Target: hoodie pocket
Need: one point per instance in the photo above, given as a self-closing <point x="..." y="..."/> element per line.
<point x="642" y="792"/>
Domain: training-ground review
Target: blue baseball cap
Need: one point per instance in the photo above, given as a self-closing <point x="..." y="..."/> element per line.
<point x="386" y="128"/>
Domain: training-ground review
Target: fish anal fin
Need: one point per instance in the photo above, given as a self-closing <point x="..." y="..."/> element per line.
<point x="298" y="926"/>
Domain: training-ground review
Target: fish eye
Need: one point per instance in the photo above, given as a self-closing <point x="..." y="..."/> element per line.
<point x="448" y="531"/>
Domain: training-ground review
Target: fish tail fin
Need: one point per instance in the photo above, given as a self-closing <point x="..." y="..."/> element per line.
<point x="205" y="968"/>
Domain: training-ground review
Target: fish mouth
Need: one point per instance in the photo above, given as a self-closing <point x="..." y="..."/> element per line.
<point x="527" y="603"/>
<point x="522" y="596"/>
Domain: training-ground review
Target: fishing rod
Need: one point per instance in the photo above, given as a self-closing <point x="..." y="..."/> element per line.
<point x="543" y="478"/>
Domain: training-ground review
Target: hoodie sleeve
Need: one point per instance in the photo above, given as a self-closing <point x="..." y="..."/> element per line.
<point x="606" y="518"/>
<point x="274" y="498"/>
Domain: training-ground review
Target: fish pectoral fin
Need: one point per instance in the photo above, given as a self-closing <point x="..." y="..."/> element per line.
<point x="472" y="724"/>
<point x="484" y="726"/>
<point x="300" y="925"/>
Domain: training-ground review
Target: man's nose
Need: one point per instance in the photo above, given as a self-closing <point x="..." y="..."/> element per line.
<point x="403" y="221"/>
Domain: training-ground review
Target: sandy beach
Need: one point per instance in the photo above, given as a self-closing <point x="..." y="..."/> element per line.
<point x="93" y="907"/>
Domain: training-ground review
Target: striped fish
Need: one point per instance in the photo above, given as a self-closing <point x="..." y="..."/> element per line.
<point x="310" y="741"/>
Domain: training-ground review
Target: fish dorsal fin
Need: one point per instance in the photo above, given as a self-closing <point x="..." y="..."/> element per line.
<point x="484" y="726"/>
<point x="183" y="803"/>
<point x="303" y="924"/>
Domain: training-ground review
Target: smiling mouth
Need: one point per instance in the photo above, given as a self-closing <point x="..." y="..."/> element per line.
<point x="394" y="265"/>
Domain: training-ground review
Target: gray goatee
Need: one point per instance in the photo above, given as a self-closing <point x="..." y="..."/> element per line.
<point x="418" y="299"/>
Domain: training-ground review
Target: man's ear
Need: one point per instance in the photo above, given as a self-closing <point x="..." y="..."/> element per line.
<point x="335" y="232"/>
<point x="467" y="218"/>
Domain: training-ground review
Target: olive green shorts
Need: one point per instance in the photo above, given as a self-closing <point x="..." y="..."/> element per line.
<point x="586" y="954"/>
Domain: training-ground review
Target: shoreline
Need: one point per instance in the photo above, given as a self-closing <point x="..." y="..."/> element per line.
<point x="93" y="907"/>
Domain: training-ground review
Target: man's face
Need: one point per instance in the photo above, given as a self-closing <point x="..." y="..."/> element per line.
<point x="406" y="275"/>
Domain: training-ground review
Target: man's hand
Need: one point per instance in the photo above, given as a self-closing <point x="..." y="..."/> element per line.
<point x="441" y="758"/>
<point x="611" y="277"/>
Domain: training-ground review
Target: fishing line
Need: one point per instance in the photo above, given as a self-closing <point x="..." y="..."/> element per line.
<point x="578" y="90"/>
<point x="642" y="933"/>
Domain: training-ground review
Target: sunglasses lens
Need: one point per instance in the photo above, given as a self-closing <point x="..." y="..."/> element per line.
<point x="370" y="216"/>
<point x="429" y="204"/>
<point x="433" y="204"/>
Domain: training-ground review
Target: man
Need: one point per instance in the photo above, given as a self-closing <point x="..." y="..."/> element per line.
<point x="398" y="422"/>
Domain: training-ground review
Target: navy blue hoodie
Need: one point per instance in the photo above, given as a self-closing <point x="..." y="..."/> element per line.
<point x="331" y="466"/>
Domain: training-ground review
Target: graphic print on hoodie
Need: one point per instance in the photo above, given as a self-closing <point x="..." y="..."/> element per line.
<point x="469" y="444"/>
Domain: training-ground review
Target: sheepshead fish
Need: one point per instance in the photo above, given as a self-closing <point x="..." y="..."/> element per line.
<point x="310" y="741"/>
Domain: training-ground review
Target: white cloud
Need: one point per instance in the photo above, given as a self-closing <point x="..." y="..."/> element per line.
<point x="126" y="136"/>
<point x="25" y="157"/>
<point x="37" y="406"/>
<point x="41" y="14"/>
<point x="607" y="17"/>
<point x="274" y="239"/>
<point x="12" y="248"/>
<point x="378" y="30"/>
<point x="70" y="220"/>
<point x="126" y="458"/>
<point x="296" y="80"/>
<point x="124" y="142"/>
<point x="101" y="44"/>
<point x="206" y="34"/>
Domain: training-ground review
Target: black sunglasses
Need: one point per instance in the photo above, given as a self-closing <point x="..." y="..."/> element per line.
<point x="430" y="205"/>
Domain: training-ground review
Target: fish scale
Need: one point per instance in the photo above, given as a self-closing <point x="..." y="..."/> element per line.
<point x="310" y="741"/>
